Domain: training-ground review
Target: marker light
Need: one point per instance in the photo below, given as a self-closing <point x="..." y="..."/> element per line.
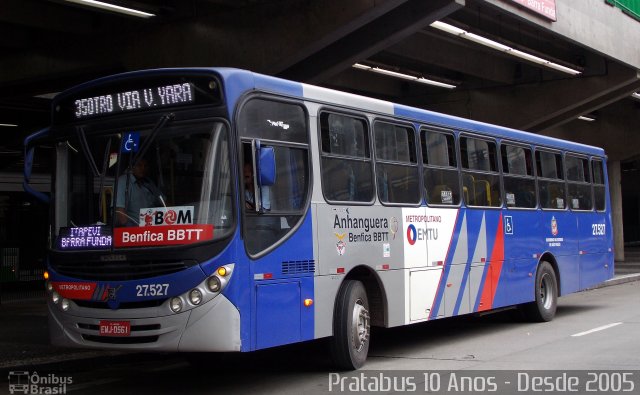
<point x="114" y="8"/>
<point x="195" y="296"/>
<point x="46" y="275"/>
<point x="403" y="76"/>
<point x="55" y="297"/>
<point x="308" y="302"/>
<point x="445" y="27"/>
<point x="222" y="271"/>
<point x="175" y="304"/>
<point x="214" y="284"/>
<point x="65" y="304"/>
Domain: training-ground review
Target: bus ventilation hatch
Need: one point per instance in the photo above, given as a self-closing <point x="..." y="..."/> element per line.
<point x="298" y="267"/>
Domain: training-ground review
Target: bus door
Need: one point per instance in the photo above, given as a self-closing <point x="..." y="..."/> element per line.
<point x="594" y="227"/>
<point x="277" y="232"/>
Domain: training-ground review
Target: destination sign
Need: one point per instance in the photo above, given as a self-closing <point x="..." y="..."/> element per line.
<point x="84" y="238"/>
<point x="136" y="93"/>
<point x="134" y="100"/>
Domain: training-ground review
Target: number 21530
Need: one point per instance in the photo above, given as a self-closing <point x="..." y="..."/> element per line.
<point x="598" y="229"/>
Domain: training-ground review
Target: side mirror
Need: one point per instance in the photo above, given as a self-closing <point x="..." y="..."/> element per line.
<point x="266" y="166"/>
<point x="29" y="150"/>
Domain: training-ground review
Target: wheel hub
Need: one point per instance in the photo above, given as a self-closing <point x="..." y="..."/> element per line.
<point x="360" y="325"/>
<point x="546" y="291"/>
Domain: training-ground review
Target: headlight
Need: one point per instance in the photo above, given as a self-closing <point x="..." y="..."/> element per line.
<point x="55" y="297"/>
<point x="176" y="305"/>
<point x="195" y="296"/>
<point x="214" y="284"/>
<point x="65" y="304"/>
<point x="49" y="286"/>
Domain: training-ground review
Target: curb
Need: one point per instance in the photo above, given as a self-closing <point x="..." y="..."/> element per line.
<point x="619" y="279"/>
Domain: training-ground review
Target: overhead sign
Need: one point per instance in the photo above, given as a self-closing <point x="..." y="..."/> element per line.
<point x="136" y="99"/>
<point x="546" y="8"/>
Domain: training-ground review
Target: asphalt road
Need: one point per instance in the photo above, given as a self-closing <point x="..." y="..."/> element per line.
<point x="594" y="330"/>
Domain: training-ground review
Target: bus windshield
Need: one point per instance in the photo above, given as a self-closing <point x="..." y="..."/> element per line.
<point x="159" y="185"/>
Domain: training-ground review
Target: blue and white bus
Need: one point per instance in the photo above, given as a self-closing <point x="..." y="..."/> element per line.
<point x="270" y="212"/>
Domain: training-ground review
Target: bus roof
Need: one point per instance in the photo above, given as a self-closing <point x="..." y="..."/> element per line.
<point x="239" y="81"/>
<point x="416" y="114"/>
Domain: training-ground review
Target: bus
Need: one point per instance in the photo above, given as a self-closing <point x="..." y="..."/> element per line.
<point x="272" y="212"/>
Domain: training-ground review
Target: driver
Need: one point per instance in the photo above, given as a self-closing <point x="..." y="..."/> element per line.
<point x="135" y="191"/>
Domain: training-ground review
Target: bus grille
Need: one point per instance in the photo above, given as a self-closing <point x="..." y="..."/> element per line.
<point x="298" y="267"/>
<point x="120" y="271"/>
<point x="122" y="306"/>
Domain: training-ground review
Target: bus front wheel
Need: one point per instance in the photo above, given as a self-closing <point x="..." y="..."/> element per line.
<point x="351" y="326"/>
<point x="543" y="308"/>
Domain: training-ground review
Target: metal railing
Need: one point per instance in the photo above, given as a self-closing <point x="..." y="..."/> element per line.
<point x="18" y="285"/>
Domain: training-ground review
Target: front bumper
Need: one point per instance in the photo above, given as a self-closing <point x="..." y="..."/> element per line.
<point x="214" y="326"/>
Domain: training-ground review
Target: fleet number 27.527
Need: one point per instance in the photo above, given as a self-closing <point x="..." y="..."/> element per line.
<point x="152" y="289"/>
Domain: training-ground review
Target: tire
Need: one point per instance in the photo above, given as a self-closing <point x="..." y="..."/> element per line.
<point x="543" y="308"/>
<point x="351" y="326"/>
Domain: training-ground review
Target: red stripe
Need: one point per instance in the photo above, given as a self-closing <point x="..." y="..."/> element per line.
<point x="495" y="267"/>
<point x="75" y="290"/>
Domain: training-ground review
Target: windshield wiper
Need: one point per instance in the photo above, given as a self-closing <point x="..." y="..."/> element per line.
<point x="154" y="132"/>
<point x="105" y="164"/>
<point x="85" y="150"/>
<point x="92" y="164"/>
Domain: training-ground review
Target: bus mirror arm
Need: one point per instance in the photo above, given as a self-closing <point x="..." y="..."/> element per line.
<point x="29" y="150"/>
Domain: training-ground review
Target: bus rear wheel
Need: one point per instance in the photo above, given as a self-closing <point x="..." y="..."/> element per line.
<point x="351" y="326"/>
<point x="543" y="308"/>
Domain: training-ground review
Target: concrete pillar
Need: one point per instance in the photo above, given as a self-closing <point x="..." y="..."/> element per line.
<point x="615" y="188"/>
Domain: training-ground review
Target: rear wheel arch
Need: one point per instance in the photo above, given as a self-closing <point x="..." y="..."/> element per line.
<point x="545" y="298"/>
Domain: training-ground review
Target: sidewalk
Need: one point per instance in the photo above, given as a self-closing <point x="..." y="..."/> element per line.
<point x="24" y="337"/>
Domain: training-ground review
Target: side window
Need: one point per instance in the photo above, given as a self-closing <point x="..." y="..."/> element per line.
<point x="550" y="180"/>
<point x="480" y="176"/>
<point x="346" y="160"/>
<point x="396" y="164"/>
<point x="579" y="183"/>
<point x="272" y="211"/>
<point x="598" y="184"/>
<point x="519" y="183"/>
<point x="441" y="180"/>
